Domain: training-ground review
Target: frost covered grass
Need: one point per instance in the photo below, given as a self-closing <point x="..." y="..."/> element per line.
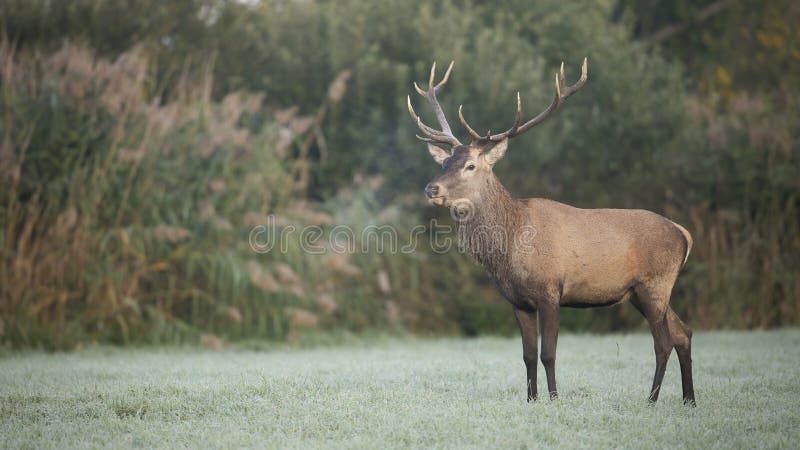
<point x="443" y="393"/>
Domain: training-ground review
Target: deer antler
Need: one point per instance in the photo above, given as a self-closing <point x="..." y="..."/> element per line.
<point x="562" y="92"/>
<point x="445" y="136"/>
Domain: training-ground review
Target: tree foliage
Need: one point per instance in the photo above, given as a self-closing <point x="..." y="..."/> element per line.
<point x="699" y="126"/>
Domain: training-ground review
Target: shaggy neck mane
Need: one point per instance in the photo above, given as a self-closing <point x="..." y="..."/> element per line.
<point x="487" y="234"/>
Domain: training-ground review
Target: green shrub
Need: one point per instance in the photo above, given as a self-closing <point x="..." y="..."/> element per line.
<point x="130" y="181"/>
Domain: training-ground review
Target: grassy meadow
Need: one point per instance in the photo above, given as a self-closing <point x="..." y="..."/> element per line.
<point x="390" y="393"/>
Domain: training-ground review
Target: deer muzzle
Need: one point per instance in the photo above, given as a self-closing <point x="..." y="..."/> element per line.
<point x="434" y="193"/>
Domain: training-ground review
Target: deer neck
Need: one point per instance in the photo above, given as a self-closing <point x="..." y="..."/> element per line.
<point x="487" y="234"/>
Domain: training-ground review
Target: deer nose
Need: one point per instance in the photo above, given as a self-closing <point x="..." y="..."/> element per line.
<point x="431" y="190"/>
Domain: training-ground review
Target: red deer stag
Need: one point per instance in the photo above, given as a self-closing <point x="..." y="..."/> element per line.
<point x="576" y="258"/>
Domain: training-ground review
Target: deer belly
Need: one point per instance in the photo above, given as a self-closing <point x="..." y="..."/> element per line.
<point x="598" y="276"/>
<point x="586" y="294"/>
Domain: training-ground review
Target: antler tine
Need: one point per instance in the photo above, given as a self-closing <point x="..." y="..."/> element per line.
<point x="562" y="92"/>
<point x="557" y="100"/>
<point x="419" y="89"/>
<point x="517" y="116"/>
<point x="432" y="77"/>
<point x="474" y="134"/>
<point x="434" y="135"/>
<point x="425" y="129"/>
<point x="446" y="75"/>
<point x="578" y="84"/>
<point x="425" y="139"/>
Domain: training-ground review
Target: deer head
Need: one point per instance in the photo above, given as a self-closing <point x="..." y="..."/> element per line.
<point x="468" y="168"/>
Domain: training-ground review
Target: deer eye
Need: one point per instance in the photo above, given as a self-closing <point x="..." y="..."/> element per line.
<point x="471" y="167"/>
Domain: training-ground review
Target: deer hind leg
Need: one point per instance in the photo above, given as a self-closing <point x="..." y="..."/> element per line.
<point x="682" y="339"/>
<point x="653" y="307"/>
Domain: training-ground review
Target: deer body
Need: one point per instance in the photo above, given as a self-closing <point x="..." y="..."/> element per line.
<point x="584" y="257"/>
<point x="543" y="254"/>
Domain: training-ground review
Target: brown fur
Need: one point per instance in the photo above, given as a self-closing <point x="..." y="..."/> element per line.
<point x="543" y="254"/>
<point x="576" y="257"/>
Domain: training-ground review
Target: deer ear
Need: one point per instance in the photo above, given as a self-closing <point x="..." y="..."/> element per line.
<point x="439" y="155"/>
<point x="497" y="152"/>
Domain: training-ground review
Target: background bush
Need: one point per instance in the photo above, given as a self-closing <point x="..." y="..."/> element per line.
<point x="140" y="148"/>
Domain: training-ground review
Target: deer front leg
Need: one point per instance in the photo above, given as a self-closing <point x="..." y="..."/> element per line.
<point x="528" y="328"/>
<point x="549" y="322"/>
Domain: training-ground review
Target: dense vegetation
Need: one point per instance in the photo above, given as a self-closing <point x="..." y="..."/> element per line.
<point x="140" y="148"/>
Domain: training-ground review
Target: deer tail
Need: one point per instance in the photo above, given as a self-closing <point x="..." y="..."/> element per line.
<point x="687" y="237"/>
